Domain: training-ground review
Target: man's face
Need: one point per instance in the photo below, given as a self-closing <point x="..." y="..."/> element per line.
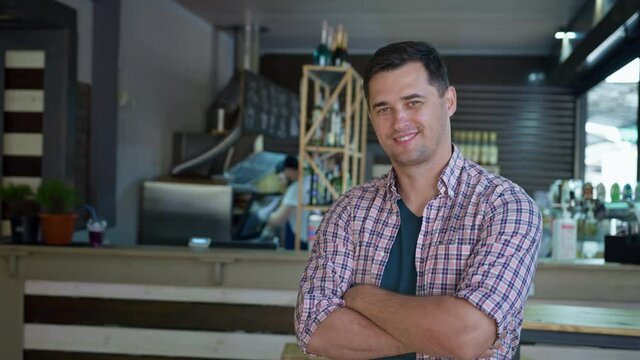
<point x="410" y="118"/>
<point x="287" y="176"/>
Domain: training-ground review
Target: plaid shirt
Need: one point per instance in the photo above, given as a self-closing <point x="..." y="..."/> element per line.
<point x="479" y="242"/>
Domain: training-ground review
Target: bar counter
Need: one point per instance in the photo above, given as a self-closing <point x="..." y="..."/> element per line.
<point x="272" y="276"/>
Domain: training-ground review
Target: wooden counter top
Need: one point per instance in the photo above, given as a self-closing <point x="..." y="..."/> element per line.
<point x="585" y="264"/>
<point x="582" y="319"/>
<point x="211" y="254"/>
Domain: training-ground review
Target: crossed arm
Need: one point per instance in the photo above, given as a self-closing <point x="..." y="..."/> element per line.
<point x="373" y="321"/>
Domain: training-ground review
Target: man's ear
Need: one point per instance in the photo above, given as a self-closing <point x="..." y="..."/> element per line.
<point x="451" y="100"/>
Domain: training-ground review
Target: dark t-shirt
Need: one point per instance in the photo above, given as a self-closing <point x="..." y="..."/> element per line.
<point x="400" y="272"/>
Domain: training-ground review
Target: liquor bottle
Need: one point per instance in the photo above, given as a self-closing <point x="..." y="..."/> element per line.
<point x="327" y="194"/>
<point x="615" y="192"/>
<point x="318" y="135"/>
<point x="335" y="125"/>
<point x="462" y="138"/>
<point x="313" y="186"/>
<point x="627" y="193"/>
<point x="340" y="55"/>
<point x="587" y="192"/>
<point x="601" y="193"/>
<point x="337" y="179"/>
<point x="636" y="196"/>
<point x="493" y="140"/>
<point x="331" y="42"/>
<point x="322" y="55"/>
<point x="475" y="147"/>
<point x="485" y="149"/>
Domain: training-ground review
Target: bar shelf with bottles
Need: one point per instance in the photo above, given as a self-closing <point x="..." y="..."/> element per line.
<point x="480" y="147"/>
<point x="578" y="217"/>
<point x="333" y="131"/>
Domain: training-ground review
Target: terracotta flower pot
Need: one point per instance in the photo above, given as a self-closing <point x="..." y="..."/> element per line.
<point x="57" y="229"/>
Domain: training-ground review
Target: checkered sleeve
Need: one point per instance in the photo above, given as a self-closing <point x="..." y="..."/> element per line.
<point x="502" y="265"/>
<point x="328" y="273"/>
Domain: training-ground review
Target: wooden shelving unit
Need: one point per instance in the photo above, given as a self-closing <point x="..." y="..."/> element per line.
<point x="342" y="84"/>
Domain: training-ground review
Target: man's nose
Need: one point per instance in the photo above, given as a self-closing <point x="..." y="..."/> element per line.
<point x="400" y="119"/>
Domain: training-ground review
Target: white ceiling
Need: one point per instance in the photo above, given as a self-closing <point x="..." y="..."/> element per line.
<point x="504" y="27"/>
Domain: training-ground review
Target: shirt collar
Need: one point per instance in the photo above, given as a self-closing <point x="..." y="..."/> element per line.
<point x="446" y="182"/>
<point x="451" y="173"/>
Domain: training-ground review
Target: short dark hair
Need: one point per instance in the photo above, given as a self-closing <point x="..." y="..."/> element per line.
<point x="398" y="54"/>
<point x="289" y="162"/>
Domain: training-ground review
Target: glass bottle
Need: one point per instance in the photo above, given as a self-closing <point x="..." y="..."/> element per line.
<point x="627" y="193"/>
<point x="318" y="135"/>
<point x="615" y="192"/>
<point x="322" y="55"/>
<point x="601" y="193"/>
<point x="340" y="55"/>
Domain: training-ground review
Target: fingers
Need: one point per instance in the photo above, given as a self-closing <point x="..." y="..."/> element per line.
<point x="487" y="354"/>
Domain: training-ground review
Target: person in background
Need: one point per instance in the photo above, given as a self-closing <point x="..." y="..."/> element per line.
<point x="434" y="259"/>
<point x="286" y="213"/>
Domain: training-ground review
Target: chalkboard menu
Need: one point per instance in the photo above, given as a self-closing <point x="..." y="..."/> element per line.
<point x="268" y="108"/>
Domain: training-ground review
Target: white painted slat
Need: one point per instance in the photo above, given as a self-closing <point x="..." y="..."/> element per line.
<point x="161" y="293"/>
<point x="24" y="59"/>
<point x="20" y="100"/>
<point x="154" y="342"/>
<point x="22" y="144"/>
<point x="33" y="182"/>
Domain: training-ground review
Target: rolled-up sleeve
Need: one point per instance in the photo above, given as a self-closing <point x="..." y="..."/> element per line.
<point x="499" y="272"/>
<point x="328" y="273"/>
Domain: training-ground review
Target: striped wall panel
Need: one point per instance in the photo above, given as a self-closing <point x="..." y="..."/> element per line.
<point x="535" y="127"/>
<point x="72" y="320"/>
<point x="23" y="101"/>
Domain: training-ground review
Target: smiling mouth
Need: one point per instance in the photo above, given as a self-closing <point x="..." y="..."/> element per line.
<point x="405" y="138"/>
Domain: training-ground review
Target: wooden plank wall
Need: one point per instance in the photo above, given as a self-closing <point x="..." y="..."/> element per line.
<point x="22" y="113"/>
<point x="77" y="321"/>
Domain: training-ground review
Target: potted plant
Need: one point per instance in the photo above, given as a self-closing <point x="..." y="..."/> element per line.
<point x="22" y="211"/>
<point x="57" y="216"/>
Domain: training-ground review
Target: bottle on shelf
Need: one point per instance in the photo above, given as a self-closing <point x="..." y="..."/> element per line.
<point x="565" y="236"/>
<point x="627" y="193"/>
<point x="485" y="149"/>
<point x="601" y="193"/>
<point x="322" y="55"/>
<point x="615" y="192"/>
<point x="334" y="135"/>
<point x="477" y="146"/>
<point x="493" y="141"/>
<point x="636" y="195"/>
<point x="318" y="136"/>
<point x="462" y="144"/>
<point x="587" y="192"/>
<point x="337" y="179"/>
<point x="340" y="54"/>
<point x="313" y="186"/>
<point x="315" y="218"/>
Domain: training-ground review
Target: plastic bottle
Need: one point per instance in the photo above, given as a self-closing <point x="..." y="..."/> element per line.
<point x="565" y="236"/>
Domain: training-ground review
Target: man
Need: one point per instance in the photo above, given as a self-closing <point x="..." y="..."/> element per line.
<point x="433" y="259"/>
<point x="286" y="213"/>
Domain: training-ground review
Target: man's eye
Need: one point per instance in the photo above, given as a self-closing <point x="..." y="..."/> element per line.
<point x="383" y="110"/>
<point x="415" y="103"/>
